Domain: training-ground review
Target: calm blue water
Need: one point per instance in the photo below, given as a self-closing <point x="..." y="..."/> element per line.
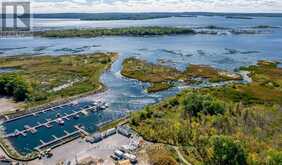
<point x="124" y="95"/>
<point x="25" y="144"/>
<point x="200" y="21"/>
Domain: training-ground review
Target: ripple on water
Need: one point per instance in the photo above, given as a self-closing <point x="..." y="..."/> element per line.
<point x="7" y="70"/>
<point x="124" y="95"/>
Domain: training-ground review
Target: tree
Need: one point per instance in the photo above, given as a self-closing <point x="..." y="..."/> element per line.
<point x="195" y="103"/>
<point x="20" y="93"/>
<point x="226" y="151"/>
<point x="13" y="85"/>
<point x="274" y="157"/>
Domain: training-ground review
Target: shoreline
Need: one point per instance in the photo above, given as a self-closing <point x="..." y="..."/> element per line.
<point x="13" y="154"/>
<point x="6" y="145"/>
<point x="24" y="111"/>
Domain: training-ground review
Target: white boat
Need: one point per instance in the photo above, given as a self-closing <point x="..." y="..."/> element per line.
<point x="76" y="116"/>
<point x="17" y="132"/>
<point x="60" y="121"/>
<point x="48" y="125"/>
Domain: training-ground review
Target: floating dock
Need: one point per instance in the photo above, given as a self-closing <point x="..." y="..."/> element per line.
<point x="36" y="113"/>
<point x="48" y="123"/>
<point x="81" y="130"/>
<point x="56" y="139"/>
<point x="44" y="145"/>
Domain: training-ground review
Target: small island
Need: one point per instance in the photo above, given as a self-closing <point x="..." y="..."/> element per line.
<point x="37" y="80"/>
<point x="162" y="77"/>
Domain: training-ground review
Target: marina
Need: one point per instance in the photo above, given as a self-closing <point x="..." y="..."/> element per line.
<point x="53" y="125"/>
<point x="59" y="120"/>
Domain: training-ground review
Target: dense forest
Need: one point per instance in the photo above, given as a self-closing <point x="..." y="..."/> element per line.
<point x="130" y="31"/>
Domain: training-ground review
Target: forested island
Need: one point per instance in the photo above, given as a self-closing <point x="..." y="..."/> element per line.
<point x="129" y="31"/>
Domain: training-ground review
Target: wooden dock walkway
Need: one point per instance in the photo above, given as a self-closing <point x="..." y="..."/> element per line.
<point x="43" y="145"/>
<point x="82" y="130"/>
<point x="36" y="113"/>
<point x="48" y="123"/>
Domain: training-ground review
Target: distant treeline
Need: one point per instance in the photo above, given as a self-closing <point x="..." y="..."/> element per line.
<point x="130" y="31"/>
<point x="107" y="16"/>
<point x="142" y="16"/>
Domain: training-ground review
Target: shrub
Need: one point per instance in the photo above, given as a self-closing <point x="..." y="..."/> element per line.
<point x="274" y="157"/>
<point x="13" y="85"/>
<point x="197" y="103"/>
<point x="226" y="151"/>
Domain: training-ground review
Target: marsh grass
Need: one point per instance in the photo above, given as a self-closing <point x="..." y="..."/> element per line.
<point x="161" y="77"/>
<point x="46" y="73"/>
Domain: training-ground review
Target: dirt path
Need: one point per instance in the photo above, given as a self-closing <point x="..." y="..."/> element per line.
<point x="181" y="156"/>
<point x="8" y="104"/>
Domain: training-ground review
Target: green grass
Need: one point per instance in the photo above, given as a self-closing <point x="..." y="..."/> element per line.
<point x="155" y="87"/>
<point x="45" y="74"/>
<point x="208" y="72"/>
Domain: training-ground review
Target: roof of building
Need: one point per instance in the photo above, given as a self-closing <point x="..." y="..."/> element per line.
<point x="124" y="162"/>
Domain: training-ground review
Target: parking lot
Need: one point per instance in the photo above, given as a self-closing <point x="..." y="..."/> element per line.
<point x="79" y="149"/>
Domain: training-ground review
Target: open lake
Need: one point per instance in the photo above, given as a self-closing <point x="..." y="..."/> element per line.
<point x="223" y="50"/>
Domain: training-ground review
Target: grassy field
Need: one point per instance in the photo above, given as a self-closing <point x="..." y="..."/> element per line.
<point x="162" y="77"/>
<point x="130" y="31"/>
<point x="247" y="131"/>
<point x="53" y="77"/>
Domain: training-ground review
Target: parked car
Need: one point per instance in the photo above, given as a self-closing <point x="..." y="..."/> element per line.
<point x="97" y="137"/>
<point x="124" y="130"/>
<point x="110" y="132"/>
<point x="119" y="154"/>
<point x="5" y="162"/>
<point x="114" y="157"/>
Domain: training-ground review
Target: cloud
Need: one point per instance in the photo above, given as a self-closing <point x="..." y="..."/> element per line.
<point x="47" y="6"/>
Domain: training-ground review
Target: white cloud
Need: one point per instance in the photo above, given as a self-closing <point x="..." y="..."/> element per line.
<point x="47" y="6"/>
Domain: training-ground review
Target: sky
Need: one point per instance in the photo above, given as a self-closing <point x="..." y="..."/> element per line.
<point x="97" y="6"/>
